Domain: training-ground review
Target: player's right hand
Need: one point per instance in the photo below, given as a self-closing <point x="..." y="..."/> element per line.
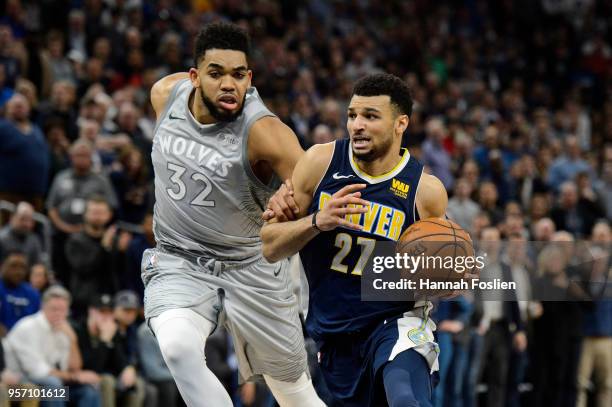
<point x="282" y="205"/>
<point x="335" y="210"/>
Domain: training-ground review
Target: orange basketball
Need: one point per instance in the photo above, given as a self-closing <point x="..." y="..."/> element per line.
<point x="442" y="256"/>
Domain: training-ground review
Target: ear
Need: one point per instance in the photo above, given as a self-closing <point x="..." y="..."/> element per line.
<point x="194" y="76"/>
<point x="250" y="75"/>
<point x="401" y="124"/>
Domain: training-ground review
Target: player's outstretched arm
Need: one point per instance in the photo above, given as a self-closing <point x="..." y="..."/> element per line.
<point x="431" y="198"/>
<point x="281" y="240"/>
<point x="161" y="90"/>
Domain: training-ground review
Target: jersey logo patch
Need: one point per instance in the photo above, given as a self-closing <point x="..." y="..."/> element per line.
<point x="399" y="188"/>
<point x="338" y="176"/>
<point x="175" y="117"/>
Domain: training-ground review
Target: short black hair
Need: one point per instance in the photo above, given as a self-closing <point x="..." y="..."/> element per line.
<point x="386" y="84"/>
<point x="221" y="35"/>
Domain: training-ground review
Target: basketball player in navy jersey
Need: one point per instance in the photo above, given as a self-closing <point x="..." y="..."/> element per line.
<point x="371" y="353"/>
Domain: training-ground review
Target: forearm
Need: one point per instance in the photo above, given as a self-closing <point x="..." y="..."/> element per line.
<point x="75" y="361"/>
<point x="281" y="240"/>
<point x="62" y="375"/>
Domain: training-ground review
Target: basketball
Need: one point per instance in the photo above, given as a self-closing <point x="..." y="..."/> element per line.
<point x="443" y="256"/>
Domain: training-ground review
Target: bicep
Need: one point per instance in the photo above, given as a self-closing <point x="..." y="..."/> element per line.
<point x="161" y="90"/>
<point x="272" y="141"/>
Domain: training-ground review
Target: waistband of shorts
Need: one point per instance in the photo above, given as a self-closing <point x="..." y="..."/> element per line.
<point x="209" y="264"/>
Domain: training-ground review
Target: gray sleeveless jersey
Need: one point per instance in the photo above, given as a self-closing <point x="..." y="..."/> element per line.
<point x="208" y="201"/>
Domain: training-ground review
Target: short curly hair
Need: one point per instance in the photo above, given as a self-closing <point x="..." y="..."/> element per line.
<point x="221" y="35"/>
<point x="386" y="84"/>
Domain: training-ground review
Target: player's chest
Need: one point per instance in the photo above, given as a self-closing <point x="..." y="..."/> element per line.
<point x="217" y="155"/>
<point x="391" y="208"/>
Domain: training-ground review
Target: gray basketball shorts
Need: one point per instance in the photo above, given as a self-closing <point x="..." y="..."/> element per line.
<point x="253" y="301"/>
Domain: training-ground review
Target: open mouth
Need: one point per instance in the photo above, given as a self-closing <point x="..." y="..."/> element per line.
<point x="361" y="142"/>
<point x="228" y="102"/>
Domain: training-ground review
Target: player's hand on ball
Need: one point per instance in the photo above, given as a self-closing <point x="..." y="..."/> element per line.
<point x="346" y="201"/>
<point x="282" y="205"/>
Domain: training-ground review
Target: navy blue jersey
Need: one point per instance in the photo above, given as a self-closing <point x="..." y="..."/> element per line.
<point x="334" y="260"/>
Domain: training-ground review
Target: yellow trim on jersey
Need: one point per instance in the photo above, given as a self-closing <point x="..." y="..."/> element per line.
<point x="375" y="179"/>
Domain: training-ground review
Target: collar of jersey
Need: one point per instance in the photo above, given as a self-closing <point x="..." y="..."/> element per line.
<point x="375" y="179"/>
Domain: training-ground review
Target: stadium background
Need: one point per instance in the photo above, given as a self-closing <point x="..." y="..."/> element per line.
<point x="513" y="112"/>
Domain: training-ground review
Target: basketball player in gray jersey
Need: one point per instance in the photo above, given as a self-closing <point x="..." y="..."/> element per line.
<point x="216" y="151"/>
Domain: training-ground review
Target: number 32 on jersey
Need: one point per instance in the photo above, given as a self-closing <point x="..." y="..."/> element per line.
<point x="179" y="190"/>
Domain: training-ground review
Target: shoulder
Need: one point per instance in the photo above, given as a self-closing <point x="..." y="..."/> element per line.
<point x="162" y="88"/>
<point x="431" y="197"/>
<point x="311" y="168"/>
<point x="30" y="291"/>
<point x="269" y="129"/>
<point x="320" y="154"/>
<point x="25" y="325"/>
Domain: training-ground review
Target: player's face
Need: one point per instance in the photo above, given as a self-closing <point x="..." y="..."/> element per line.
<point x="223" y="78"/>
<point x="373" y="126"/>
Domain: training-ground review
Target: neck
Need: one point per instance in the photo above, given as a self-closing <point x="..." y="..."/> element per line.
<point x="94" y="231"/>
<point x="23" y="125"/>
<point x="80" y="172"/>
<point x="198" y="109"/>
<point x="10" y="283"/>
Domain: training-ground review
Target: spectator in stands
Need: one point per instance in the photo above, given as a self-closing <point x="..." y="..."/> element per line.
<point x="5" y="91"/>
<point x="67" y="199"/>
<point x="525" y="181"/>
<point x="322" y="134"/>
<point x="39" y="278"/>
<point x="588" y="198"/>
<point x="573" y="214"/>
<point x="596" y="357"/>
<point x="61" y="106"/>
<point x="603" y="188"/>
<point x="57" y="138"/>
<point x="501" y="323"/>
<point x="7" y="378"/>
<point x="551" y="338"/>
<point x="471" y="173"/>
<point x="451" y="317"/>
<point x="127" y="123"/>
<point x="434" y="154"/>
<point x="130" y="179"/>
<point x="24" y="156"/>
<point x="89" y="255"/>
<point x="72" y="187"/>
<point x="483" y="152"/>
<point x="103" y="353"/>
<point x="17" y="297"/>
<point x="127" y="307"/>
<point x="517" y="266"/>
<point x="43" y="348"/>
<point x="19" y="234"/>
<point x="488" y="201"/>
<point x="140" y="242"/>
<point x="543" y="230"/>
<point x="461" y="208"/>
<point x="567" y="166"/>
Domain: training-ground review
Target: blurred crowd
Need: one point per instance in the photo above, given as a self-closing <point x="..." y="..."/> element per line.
<point x="513" y="112"/>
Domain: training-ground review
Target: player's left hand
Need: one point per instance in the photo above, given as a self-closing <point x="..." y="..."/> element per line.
<point x="282" y="205"/>
<point x="128" y="377"/>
